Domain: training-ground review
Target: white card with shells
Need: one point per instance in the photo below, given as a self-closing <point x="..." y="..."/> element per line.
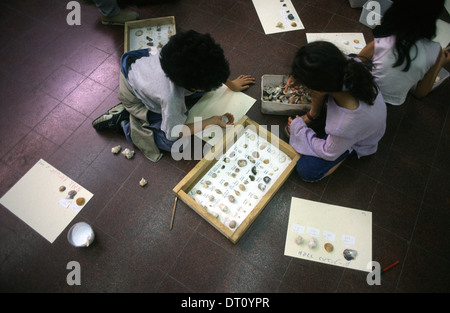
<point x="236" y="183"/>
<point x="329" y="234"/>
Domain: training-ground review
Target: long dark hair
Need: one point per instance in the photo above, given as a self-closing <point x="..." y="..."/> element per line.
<point x="409" y="21"/>
<point x="321" y="66"/>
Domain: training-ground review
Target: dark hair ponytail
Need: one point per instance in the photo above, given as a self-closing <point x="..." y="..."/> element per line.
<point x="321" y="66"/>
<point x="359" y="82"/>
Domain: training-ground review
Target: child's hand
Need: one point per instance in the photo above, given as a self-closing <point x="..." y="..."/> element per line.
<point x="290" y="84"/>
<point x="290" y="119"/>
<point x="222" y="120"/>
<point x="241" y="83"/>
<point x="445" y="58"/>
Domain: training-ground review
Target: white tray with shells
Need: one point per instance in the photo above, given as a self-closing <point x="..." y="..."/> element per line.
<point x="150" y="34"/>
<point x="275" y="101"/>
<point x="231" y="185"/>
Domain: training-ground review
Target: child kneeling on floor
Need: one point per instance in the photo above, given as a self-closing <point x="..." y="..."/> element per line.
<point x="356" y="112"/>
<point x="155" y="92"/>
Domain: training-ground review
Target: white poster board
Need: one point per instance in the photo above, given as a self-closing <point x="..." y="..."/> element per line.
<point x="342" y="227"/>
<point x="346" y="42"/>
<point x="37" y="200"/>
<point x="277" y="16"/>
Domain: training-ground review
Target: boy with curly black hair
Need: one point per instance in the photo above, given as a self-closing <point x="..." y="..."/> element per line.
<point x="154" y="90"/>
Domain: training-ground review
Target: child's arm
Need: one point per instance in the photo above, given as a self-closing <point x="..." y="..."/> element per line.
<point x="424" y="86"/>
<point x="317" y="100"/>
<point x="241" y="83"/>
<point x="366" y="53"/>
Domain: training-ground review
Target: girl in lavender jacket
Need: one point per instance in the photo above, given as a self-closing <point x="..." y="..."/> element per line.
<point x="356" y="111"/>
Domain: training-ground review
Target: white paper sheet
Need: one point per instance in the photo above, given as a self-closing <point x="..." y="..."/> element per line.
<point x="442" y="33"/>
<point x="218" y="102"/>
<point x="346" y="42"/>
<point x="273" y="12"/>
<point x="344" y="228"/>
<point x="37" y="201"/>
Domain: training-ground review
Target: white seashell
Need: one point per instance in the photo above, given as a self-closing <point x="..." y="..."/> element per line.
<point x="299" y="240"/>
<point x="223" y="207"/>
<point x="143" y="182"/>
<point x="116" y="149"/>
<point x="312" y="243"/>
<point x="282" y="159"/>
<point x="128" y="153"/>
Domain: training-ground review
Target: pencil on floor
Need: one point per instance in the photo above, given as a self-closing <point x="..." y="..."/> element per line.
<point x="173" y="212"/>
<point x="387" y="268"/>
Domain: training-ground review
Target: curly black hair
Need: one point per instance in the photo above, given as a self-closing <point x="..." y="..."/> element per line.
<point x="194" y="61"/>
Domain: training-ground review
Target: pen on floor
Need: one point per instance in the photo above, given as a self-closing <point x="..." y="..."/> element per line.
<point x="387" y="268"/>
<point x="173" y="212"/>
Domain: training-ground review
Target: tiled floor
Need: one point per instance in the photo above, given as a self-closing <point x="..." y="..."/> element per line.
<point x="56" y="78"/>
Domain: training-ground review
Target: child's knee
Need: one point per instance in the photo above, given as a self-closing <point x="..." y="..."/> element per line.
<point x="308" y="173"/>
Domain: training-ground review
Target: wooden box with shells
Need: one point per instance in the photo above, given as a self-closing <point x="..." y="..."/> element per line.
<point x="233" y="183"/>
<point x="275" y="101"/>
<point x="152" y="33"/>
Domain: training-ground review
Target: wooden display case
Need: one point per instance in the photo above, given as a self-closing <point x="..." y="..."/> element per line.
<point x="159" y="30"/>
<point x="248" y="166"/>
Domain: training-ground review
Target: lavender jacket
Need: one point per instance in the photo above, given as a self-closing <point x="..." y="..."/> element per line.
<point x="354" y="130"/>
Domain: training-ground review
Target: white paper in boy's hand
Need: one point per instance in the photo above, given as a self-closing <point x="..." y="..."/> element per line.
<point x="218" y="102"/>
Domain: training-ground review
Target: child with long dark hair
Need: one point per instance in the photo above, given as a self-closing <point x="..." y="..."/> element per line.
<point x="356" y="112"/>
<point x="403" y="54"/>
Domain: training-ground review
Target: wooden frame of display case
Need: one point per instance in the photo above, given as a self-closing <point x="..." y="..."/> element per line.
<point x="182" y="189"/>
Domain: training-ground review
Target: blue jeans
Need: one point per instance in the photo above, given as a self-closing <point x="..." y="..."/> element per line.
<point x="155" y="125"/>
<point x="312" y="169"/>
<point x="155" y="120"/>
